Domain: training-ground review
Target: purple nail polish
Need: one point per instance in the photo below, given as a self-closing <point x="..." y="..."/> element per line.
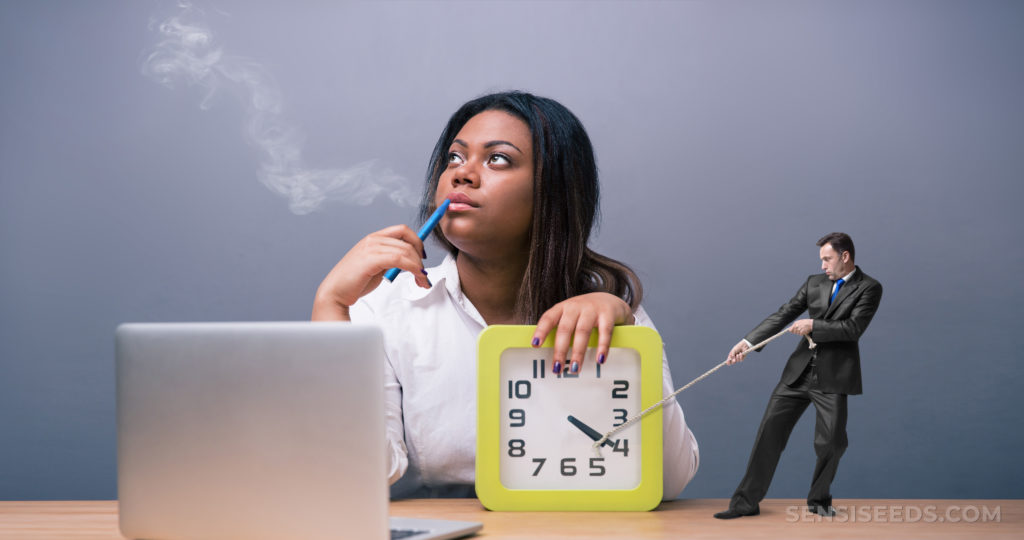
<point x="600" y="358"/>
<point x="424" y="271"/>
<point x="557" y="368"/>
<point x="535" y="342"/>
<point x="424" y="253"/>
<point x="429" y="283"/>
<point x="575" y="367"/>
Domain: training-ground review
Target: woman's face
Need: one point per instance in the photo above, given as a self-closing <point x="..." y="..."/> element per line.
<point x="489" y="179"/>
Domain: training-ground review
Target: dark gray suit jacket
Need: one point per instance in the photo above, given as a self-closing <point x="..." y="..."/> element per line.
<point x="836" y="330"/>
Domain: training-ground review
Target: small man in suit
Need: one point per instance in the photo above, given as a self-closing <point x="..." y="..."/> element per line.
<point x="840" y="304"/>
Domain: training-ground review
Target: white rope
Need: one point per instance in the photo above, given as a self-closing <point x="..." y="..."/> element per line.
<point x="673" y="395"/>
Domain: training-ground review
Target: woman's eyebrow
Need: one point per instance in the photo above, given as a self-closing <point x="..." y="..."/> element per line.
<point x="498" y="143"/>
<point x="490" y="144"/>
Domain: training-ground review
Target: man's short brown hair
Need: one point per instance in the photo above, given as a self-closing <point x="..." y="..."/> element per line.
<point x="840" y="242"/>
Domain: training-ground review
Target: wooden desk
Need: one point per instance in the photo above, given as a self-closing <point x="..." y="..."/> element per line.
<point x="688" y="518"/>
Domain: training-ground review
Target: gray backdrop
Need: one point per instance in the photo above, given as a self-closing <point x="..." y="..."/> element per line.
<point x="730" y="135"/>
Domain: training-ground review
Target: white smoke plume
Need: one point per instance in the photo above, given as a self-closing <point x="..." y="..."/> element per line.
<point x="188" y="55"/>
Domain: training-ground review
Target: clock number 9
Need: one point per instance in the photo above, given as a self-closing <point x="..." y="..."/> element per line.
<point x="516" y="448"/>
<point x="519" y="389"/>
<point x="518" y="417"/>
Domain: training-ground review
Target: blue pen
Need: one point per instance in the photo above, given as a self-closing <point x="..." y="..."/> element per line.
<point x="425" y="231"/>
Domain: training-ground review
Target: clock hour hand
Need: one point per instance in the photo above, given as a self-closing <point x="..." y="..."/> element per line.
<point x="593" y="434"/>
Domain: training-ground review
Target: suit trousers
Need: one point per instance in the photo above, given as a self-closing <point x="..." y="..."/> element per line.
<point x="785" y="407"/>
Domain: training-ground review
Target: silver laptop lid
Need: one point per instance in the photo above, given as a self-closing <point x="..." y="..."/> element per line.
<point x="251" y="430"/>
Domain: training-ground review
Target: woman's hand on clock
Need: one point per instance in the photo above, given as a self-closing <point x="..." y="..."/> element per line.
<point x="575" y="319"/>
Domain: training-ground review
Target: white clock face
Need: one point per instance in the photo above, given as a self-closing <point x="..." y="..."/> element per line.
<point x="541" y="448"/>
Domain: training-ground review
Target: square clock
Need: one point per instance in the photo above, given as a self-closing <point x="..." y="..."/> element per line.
<point x="536" y="429"/>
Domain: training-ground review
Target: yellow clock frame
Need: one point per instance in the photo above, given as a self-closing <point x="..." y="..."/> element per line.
<point x="489" y="489"/>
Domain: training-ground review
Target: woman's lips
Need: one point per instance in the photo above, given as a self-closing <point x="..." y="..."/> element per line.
<point x="460" y="202"/>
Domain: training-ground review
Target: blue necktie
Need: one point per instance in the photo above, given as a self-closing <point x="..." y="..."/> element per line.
<point x="839" y="284"/>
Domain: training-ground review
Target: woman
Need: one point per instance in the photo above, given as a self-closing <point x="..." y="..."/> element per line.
<point x="521" y="176"/>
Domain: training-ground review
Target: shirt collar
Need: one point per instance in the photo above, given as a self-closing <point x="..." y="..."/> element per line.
<point x="450" y="274"/>
<point x="445" y="278"/>
<point x="453" y="285"/>
<point x="846" y="278"/>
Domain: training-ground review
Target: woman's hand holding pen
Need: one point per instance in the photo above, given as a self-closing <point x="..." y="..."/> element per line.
<point x="362" y="269"/>
<point x="575" y="319"/>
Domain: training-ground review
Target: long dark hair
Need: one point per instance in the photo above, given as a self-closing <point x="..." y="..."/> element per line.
<point x="565" y="205"/>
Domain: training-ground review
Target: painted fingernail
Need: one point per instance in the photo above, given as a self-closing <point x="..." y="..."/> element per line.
<point x="429" y="283"/>
<point x="557" y="368"/>
<point x="535" y="342"/>
<point x="423" y="271"/>
<point x="600" y="358"/>
<point x="575" y="367"/>
<point x="424" y="253"/>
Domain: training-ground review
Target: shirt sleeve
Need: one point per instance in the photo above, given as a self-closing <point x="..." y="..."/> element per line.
<point x="680" y="454"/>
<point x="395" y="448"/>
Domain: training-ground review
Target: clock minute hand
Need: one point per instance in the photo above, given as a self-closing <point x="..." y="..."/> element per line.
<point x="591" y="432"/>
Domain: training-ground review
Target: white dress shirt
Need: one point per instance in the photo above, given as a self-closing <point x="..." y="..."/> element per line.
<point x="846" y="279"/>
<point x="430" y="339"/>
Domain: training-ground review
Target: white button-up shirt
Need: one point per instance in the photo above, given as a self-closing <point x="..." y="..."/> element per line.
<point x="430" y="339"/>
<point x="846" y="279"/>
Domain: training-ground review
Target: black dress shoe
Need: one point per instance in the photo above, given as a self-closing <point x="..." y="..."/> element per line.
<point x="825" y="511"/>
<point x="732" y="513"/>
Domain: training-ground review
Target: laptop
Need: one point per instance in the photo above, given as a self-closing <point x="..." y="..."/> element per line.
<point x="256" y="431"/>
